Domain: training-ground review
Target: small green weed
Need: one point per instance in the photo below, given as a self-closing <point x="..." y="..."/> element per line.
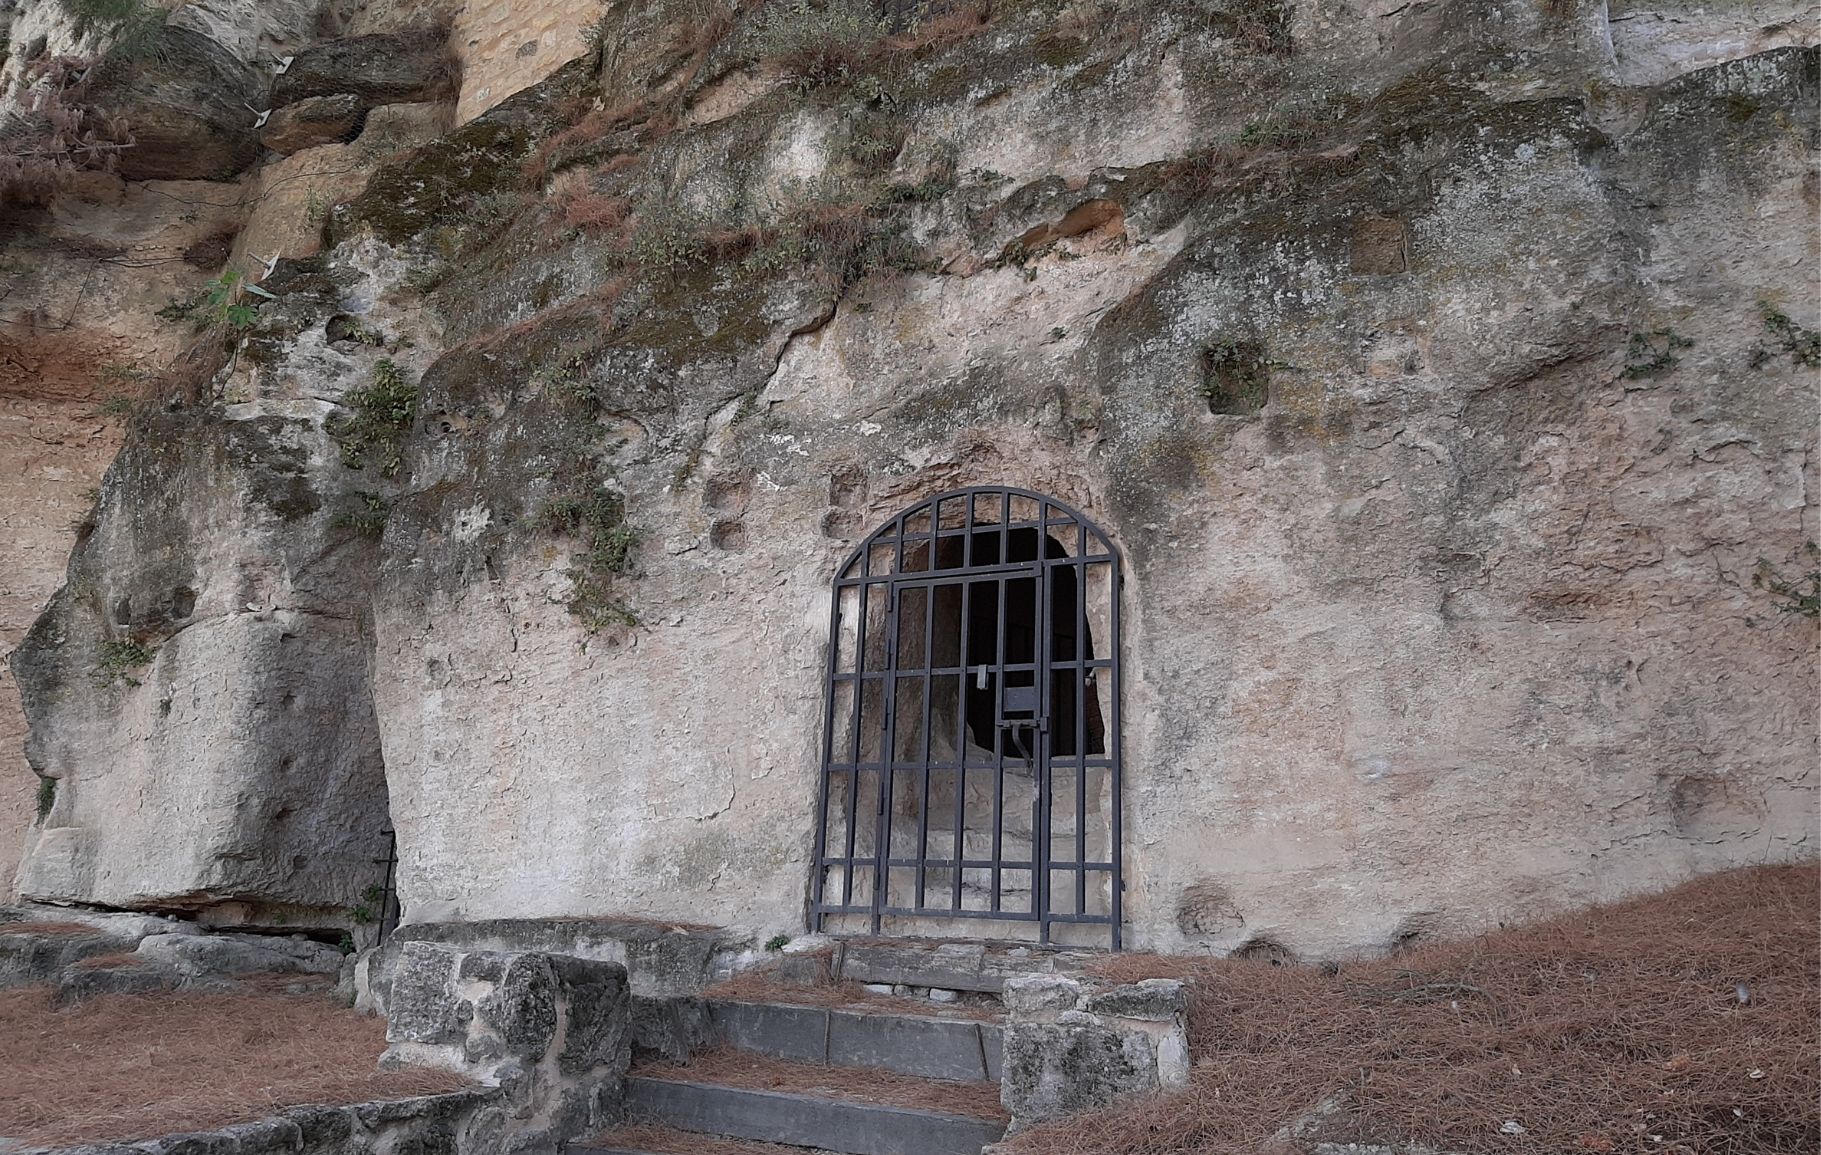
<point x="1235" y="377"/>
<point x="380" y="417"/>
<point x="1801" y="596"/>
<point x="777" y="942"/>
<point x="1802" y="345"/>
<point x="367" y="516"/>
<point x="821" y="44"/>
<point x="582" y="507"/>
<point x="117" y="659"/>
<point x="47" y="797"/>
<point x="1653" y="353"/>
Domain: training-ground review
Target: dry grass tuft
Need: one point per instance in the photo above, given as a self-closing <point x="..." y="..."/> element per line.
<point x="732" y="1068"/>
<point x="1683" y="1022"/>
<point x="121" y="1067"/>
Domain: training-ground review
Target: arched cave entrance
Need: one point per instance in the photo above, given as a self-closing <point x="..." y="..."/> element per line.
<point x="970" y="780"/>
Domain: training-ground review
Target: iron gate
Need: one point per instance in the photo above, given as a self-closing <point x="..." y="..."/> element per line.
<point x="971" y="758"/>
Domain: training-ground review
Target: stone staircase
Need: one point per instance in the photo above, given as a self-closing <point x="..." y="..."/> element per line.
<point x="859" y="1079"/>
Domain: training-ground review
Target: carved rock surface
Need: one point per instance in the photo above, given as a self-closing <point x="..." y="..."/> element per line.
<point x="313" y="121"/>
<point x="187" y="102"/>
<point x="1423" y="377"/>
<point x="382" y="68"/>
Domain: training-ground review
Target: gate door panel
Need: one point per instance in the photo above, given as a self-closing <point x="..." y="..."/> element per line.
<point x="971" y="750"/>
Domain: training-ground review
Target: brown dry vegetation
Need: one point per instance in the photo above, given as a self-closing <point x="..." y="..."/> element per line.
<point x="1685" y="1022"/>
<point x="123" y="1067"/>
<point x="733" y="1068"/>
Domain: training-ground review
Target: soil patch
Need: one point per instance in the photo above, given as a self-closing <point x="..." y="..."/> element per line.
<point x="122" y="1067"/>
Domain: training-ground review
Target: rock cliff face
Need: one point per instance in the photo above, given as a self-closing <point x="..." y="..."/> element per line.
<point x="1443" y="373"/>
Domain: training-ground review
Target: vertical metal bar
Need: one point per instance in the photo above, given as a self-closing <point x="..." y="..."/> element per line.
<point x="1081" y="737"/>
<point x="1115" y="584"/>
<point x="998" y="751"/>
<point x="967" y="613"/>
<point x="888" y="754"/>
<point x="819" y="883"/>
<point x="929" y="691"/>
<point x="1042" y="634"/>
<point x="853" y="747"/>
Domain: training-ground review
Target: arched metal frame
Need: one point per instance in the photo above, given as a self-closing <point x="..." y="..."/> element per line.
<point x="977" y="599"/>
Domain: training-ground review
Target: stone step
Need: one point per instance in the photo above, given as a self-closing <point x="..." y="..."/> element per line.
<point x="649" y="1140"/>
<point x="949" y="966"/>
<point x="927" y="1046"/>
<point x="801" y="1119"/>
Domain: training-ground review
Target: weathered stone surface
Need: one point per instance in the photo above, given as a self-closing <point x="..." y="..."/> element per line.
<point x="28" y="958"/>
<point x="423" y="1005"/>
<point x="313" y="121"/>
<point x="187" y="101"/>
<point x="552" y="1033"/>
<point x="1073" y="1045"/>
<point x="672" y="1028"/>
<point x="1450" y="621"/>
<point x="240" y="954"/>
<point x="381" y="68"/>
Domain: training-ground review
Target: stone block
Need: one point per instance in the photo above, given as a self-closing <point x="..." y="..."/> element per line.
<point x="808" y="1120"/>
<point x="1037" y="993"/>
<point x="422" y="1003"/>
<point x="1159" y="1000"/>
<point x="672" y="1028"/>
<point x="522" y="1010"/>
<point x="227" y="955"/>
<point x="383" y="68"/>
<point x="596" y="1004"/>
<point x="314" y="121"/>
<point x="907" y="1044"/>
<point x="1052" y="1070"/>
<point x="783" y="1032"/>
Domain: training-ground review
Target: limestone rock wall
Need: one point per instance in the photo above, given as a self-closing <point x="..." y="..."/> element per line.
<point x="1427" y="373"/>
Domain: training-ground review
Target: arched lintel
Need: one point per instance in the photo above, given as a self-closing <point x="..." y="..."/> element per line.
<point x="893" y="527"/>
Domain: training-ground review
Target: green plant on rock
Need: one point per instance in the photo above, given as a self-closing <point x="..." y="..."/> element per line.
<point x="584" y="508"/>
<point x="367" y="516"/>
<point x="47" y="797"/>
<point x="666" y="236"/>
<point x="1236" y="377"/>
<point x="224" y="305"/>
<point x="117" y="660"/>
<point x="1802" y="345"/>
<point x="1653" y="353"/>
<point x="371" y="907"/>
<point x="380" y="416"/>
<point x="1800" y="596"/>
<point x="840" y="230"/>
<point x="820" y="43"/>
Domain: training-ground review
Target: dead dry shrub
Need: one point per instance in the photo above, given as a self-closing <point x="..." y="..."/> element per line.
<point x="1685" y="1021"/>
<point x="55" y="135"/>
<point x="121" y="1067"/>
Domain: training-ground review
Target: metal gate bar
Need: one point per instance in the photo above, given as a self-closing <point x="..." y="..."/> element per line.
<point x="953" y="553"/>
